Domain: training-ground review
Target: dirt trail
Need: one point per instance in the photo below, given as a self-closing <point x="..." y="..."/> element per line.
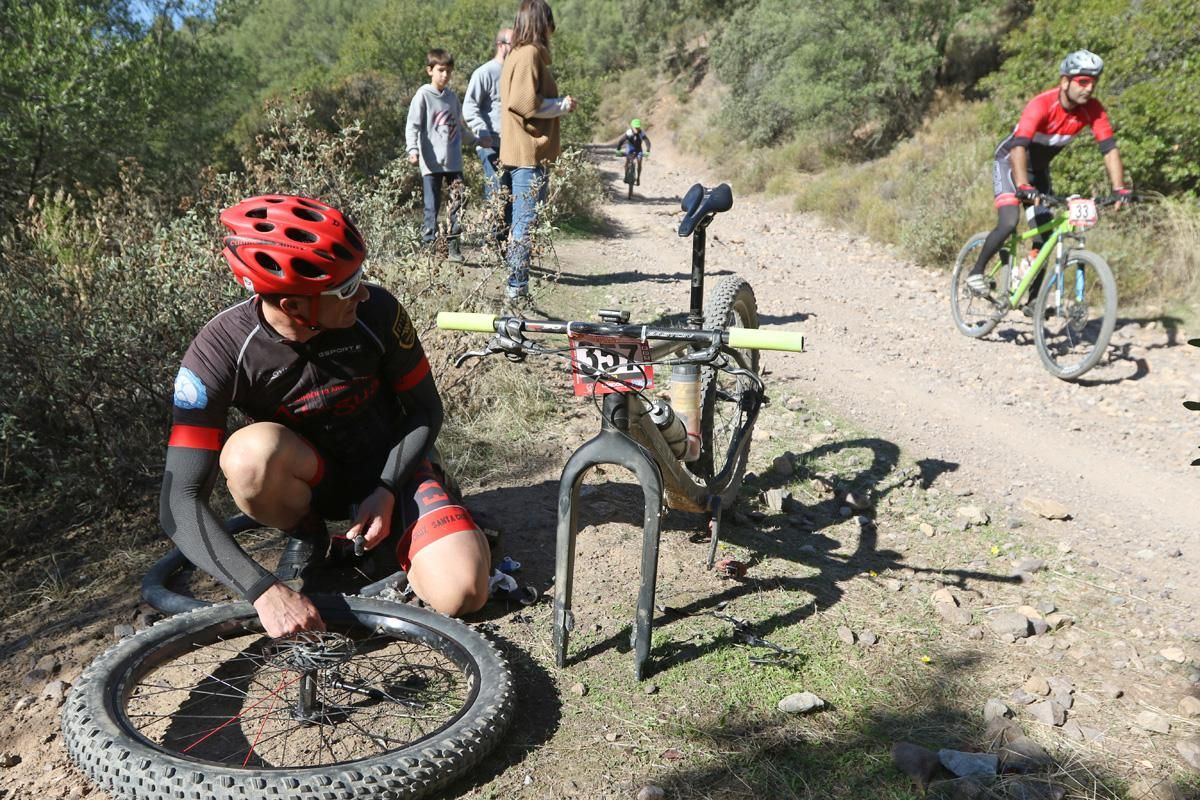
<point x="882" y="348"/>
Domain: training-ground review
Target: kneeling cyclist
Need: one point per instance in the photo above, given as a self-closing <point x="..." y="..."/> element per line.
<point x="344" y="413"/>
<point x="635" y="144"/>
<point x="1021" y="171"/>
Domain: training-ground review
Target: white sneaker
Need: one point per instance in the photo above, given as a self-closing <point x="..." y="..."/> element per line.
<point x="978" y="284"/>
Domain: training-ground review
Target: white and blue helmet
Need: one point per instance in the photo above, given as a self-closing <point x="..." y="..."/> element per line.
<point x="1082" y="62"/>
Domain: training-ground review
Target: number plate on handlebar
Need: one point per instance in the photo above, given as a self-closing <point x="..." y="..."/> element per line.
<point x="606" y="364"/>
<point x="1082" y="212"/>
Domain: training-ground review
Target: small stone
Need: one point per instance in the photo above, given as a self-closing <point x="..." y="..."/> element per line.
<point x="944" y="595"/>
<point x="1010" y="624"/>
<point x="1040" y="628"/>
<point x="1022" y="754"/>
<point x="1072" y="730"/>
<point x="1048" y="712"/>
<point x="1045" y="607"/>
<point x="867" y="639"/>
<point x="800" y="703"/>
<point x="579" y="690"/>
<point x="1064" y="548"/>
<point x="953" y="614"/>
<point x="611" y="737"/>
<point x="995" y="708"/>
<point x="972" y="515"/>
<point x="651" y="793"/>
<point x="845" y="634"/>
<point x="650" y="688"/>
<point x="8" y="759"/>
<point x="122" y="631"/>
<point x="1029" y="565"/>
<point x="55" y="692"/>
<point x="1174" y="654"/>
<point x="916" y="762"/>
<point x="1154" y="723"/>
<point x="974" y="633"/>
<point x="793" y="403"/>
<point x="146" y="618"/>
<point x="1189" y="706"/>
<point x="1189" y="750"/>
<point x="1111" y="691"/>
<point x="858" y="501"/>
<point x="1029" y="612"/>
<point x="1174" y="552"/>
<point x="964" y="764"/>
<point x="1022" y="697"/>
<point x="893" y="585"/>
<point x="24" y="703"/>
<point x="1046" y="508"/>
<point x="926" y="529"/>
<point x="1058" y="621"/>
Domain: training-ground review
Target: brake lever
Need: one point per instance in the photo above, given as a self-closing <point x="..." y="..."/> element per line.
<point x="512" y="348"/>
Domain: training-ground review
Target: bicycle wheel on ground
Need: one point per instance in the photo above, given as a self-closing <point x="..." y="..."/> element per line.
<point x="723" y="397"/>
<point x="1075" y="314"/>
<point x="630" y="175"/>
<point x="975" y="315"/>
<point x="391" y="701"/>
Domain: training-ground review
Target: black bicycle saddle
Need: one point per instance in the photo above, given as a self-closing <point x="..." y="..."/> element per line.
<point x="700" y="204"/>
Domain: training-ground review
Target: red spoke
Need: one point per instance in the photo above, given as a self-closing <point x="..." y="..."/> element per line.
<point x="262" y="727"/>
<point x="282" y="685"/>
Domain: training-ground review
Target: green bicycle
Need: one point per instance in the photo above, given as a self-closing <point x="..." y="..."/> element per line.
<point x="1075" y="310"/>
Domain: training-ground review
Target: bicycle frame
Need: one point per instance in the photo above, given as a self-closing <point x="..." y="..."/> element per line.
<point x="1058" y="229"/>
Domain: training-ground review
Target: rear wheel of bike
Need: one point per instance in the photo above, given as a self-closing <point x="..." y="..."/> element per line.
<point x="722" y="409"/>
<point x="977" y="316"/>
<point x="630" y="175"/>
<point x="391" y="701"/>
<point x="1075" y="314"/>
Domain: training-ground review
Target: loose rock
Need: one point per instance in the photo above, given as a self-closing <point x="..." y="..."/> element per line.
<point x="953" y="614"/>
<point x="1029" y="565"/>
<point x="845" y="634"/>
<point x="122" y="631"/>
<point x="24" y="703"/>
<point x="579" y="690"/>
<point x="1024" y="755"/>
<point x="972" y="515"/>
<point x="995" y="708"/>
<point x="8" y="759"/>
<point x="1048" y="712"/>
<point x="1154" y="723"/>
<point x="1111" y="691"/>
<point x="916" y="762"/>
<point x="1046" y="508"/>
<point x="1174" y="654"/>
<point x="55" y="692"/>
<point x="800" y="703"/>
<point x="651" y="793"/>
<point x="1189" y="750"/>
<point x="867" y="638"/>
<point x="1010" y="624"/>
<point x="944" y="596"/>
<point x="964" y="764"/>
<point x="1189" y="706"/>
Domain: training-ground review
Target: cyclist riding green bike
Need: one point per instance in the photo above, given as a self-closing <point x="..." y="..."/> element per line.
<point x="1021" y="171"/>
<point x="344" y="413"/>
<point x="634" y="144"/>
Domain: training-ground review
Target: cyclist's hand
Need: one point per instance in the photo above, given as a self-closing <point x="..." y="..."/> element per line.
<point x="283" y="612"/>
<point x="1124" y="196"/>
<point x="483" y="140"/>
<point x="413" y="158"/>
<point x="569" y="103"/>
<point x="1028" y="194"/>
<point x="645" y="155"/>
<point x="374" y="518"/>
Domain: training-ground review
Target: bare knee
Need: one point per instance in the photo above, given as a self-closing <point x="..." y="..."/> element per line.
<point x="453" y="594"/>
<point x="266" y="467"/>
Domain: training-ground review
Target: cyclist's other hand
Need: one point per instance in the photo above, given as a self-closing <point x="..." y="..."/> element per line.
<point x="569" y="103"/>
<point x="483" y="140"/>
<point x="413" y="158"/>
<point x="284" y="612"/>
<point x="1124" y="197"/>
<point x="374" y="519"/>
<point x="1028" y="194"/>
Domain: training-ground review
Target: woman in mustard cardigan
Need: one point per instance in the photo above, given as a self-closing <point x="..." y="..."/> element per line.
<point x="530" y="108"/>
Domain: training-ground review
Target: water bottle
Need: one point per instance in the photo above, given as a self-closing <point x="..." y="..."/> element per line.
<point x="685" y="399"/>
<point x="672" y="427"/>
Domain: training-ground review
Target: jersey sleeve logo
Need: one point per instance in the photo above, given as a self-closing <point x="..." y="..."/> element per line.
<point x="403" y="330"/>
<point x="190" y="391"/>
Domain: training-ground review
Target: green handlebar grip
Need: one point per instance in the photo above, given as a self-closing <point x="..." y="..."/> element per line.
<point x="755" y="339"/>
<point x="466" y="321"/>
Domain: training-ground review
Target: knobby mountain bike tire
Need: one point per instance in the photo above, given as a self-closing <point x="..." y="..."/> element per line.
<point x="731" y="305"/>
<point x="1072" y="329"/>
<point x="198" y="707"/>
<point x="974" y="315"/>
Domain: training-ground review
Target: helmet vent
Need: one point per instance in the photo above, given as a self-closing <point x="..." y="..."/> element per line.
<point x="342" y="252"/>
<point x="308" y="269"/>
<point x="273" y="199"/>
<point x="298" y="235"/>
<point x="323" y="254"/>
<point x="311" y="204"/>
<point x="308" y="214"/>
<point x="355" y="239"/>
<point x="257" y="213"/>
<point x="264" y="227"/>
<point x="268" y="263"/>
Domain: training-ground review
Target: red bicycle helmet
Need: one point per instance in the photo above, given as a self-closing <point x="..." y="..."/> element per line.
<point x="284" y="244"/>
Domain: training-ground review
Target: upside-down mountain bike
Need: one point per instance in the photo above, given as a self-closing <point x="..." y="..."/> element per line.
<point x="692" y="448"/>
<point x="1075" y="310"/>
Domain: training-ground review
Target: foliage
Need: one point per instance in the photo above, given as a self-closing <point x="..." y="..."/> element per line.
<point x="83" y="87"/>
<point x="1151" y="84"/>
<point x="857" y="76"/>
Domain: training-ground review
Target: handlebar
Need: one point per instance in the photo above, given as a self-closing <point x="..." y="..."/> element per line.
<point x="741" y="338"/>
<point x="1051" y="200"/>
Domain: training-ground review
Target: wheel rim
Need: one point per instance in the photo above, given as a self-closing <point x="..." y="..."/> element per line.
<point x="728" y="411"/>
<point x="977" y="311"/>
<point x="1074" y="316"/>
<point x="218" y="695"/>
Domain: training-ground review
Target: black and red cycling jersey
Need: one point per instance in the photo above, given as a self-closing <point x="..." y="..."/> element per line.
<point x="1045" y="128"/>
<point x="362" y="396"/>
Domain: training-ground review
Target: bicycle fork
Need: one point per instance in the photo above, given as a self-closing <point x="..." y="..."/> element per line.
<point x="611" y="446"/>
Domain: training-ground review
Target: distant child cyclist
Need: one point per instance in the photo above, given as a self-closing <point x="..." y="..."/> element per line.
<point x="1021" y="172"/>
<point x="635" y="144"/>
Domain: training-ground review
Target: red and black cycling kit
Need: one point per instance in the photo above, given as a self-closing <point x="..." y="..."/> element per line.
<point x="1044" y="129"/>
<point x="361" y="396"/>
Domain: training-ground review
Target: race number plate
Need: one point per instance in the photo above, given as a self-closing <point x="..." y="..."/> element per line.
<point x="1082" y="212"/>
<point x="606" y="364"/>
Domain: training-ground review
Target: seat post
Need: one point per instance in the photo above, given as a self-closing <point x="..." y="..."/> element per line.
<point x="696" y="310"/>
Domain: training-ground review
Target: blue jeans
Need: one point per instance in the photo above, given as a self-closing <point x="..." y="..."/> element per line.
<point x="496" y="178"/>
<point x="432" y="184"/>
<point x="528" y="188"/>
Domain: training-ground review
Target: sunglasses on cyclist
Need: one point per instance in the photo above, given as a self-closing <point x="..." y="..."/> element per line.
<point x="348" y="288"/>
<point x="1084" y="81"/>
